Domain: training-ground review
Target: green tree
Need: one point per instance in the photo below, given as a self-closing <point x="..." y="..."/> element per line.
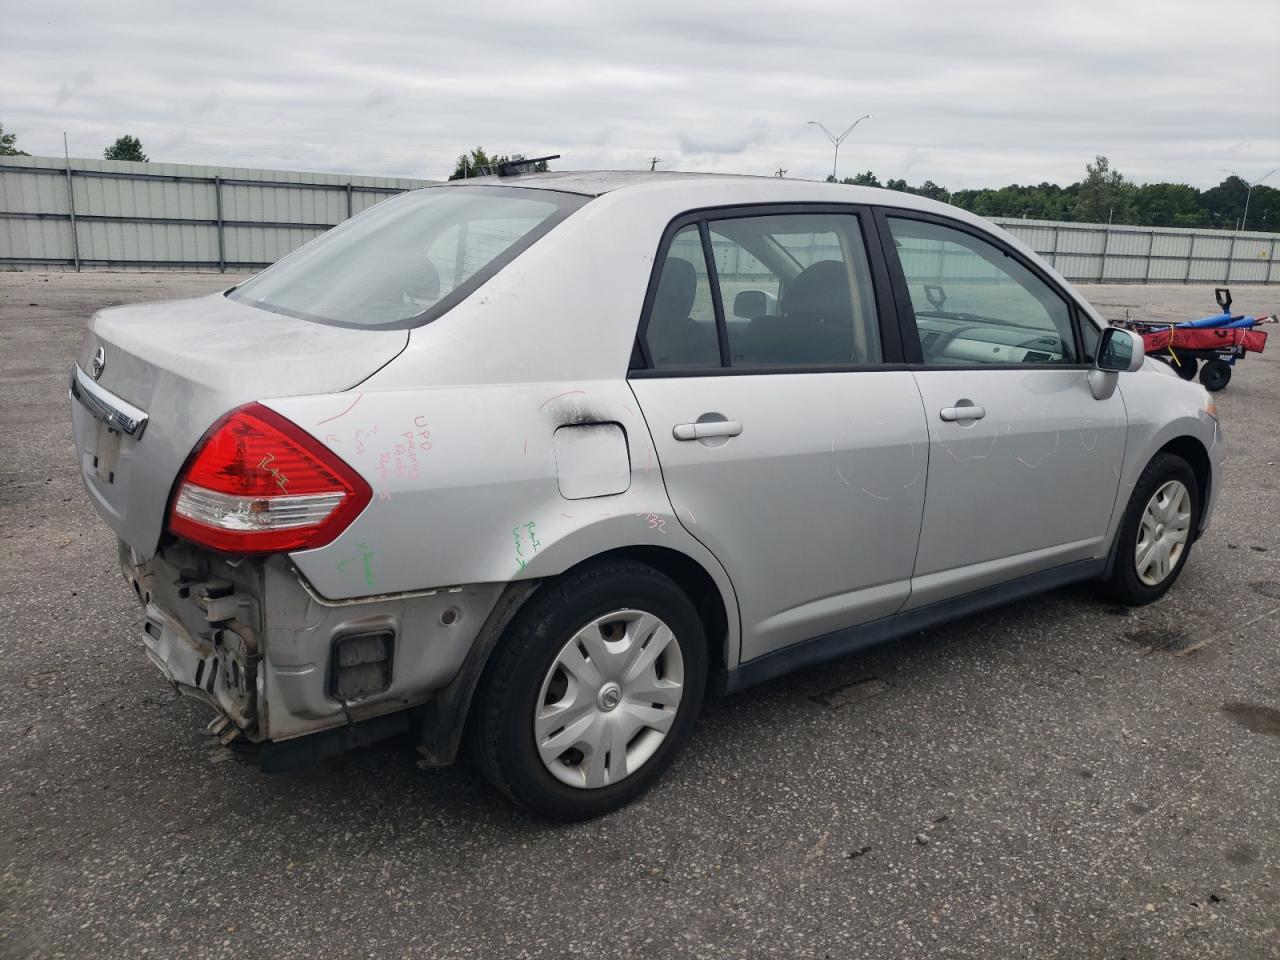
<point x="1264" y="209"/>
<point x="1104" y="195"/>
<point x="473" y="164"/>
<point x="7" y="146"/>
<point x="933" y="191"/>
<point x="1223" y="206"/>
<point x="126" y="148"/>
<point x="1167" y="205"/>
<point x="468" y="164"/>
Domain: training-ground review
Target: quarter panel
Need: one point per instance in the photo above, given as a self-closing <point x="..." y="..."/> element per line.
<point x="466" y="492"/>
<point x="186" y="363"/>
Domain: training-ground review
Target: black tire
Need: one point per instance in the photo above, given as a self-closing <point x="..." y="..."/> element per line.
<point x="1124" y="583"/>
<point x="1186" y="369"/>
<point x="1215" y="375"/>
<point x="502" y="735"/>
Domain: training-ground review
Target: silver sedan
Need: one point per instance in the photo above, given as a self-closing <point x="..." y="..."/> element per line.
<point x="543" y="460"/>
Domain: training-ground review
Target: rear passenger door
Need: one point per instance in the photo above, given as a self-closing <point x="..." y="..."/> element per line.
<point x="1024" y="461"/>
<point x="791" y="437"/>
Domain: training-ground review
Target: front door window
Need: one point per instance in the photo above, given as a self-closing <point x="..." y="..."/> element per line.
<point x="975" y="304"/>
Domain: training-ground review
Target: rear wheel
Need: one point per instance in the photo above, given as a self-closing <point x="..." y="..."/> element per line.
<point x="1155" y="537"/>
<point x="1215" y="375"/>
<point x="593" y="693"/>
<point x="1186" y="369"/>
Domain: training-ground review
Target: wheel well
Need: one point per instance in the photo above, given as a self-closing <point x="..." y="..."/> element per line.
<point x="1197" y="457"/>
<point x="697" y="584"/>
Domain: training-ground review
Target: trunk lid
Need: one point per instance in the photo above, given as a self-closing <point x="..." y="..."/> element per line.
<point x="185" y="363"/>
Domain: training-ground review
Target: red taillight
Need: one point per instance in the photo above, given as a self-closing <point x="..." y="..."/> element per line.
<point x="257" y="483"/>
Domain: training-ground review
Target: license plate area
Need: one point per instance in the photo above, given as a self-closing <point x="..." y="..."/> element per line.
<point x="104" y="457"/>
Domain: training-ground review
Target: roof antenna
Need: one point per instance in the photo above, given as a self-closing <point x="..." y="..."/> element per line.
<point x="779" y="173"/>
<point x="518" y="164"/>
<point x="653" y="163"/>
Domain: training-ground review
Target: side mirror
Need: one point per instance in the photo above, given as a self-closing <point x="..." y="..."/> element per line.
<point x="750" y="304"/>
<point x="1120" y="351"/>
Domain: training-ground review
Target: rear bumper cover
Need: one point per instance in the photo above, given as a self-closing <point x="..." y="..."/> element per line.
<point x="252" y="640"/>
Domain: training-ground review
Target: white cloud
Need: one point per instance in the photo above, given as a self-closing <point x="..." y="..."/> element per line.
<point x="984" y="92"/>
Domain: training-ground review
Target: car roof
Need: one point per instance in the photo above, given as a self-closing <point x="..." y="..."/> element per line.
<point x="684" y="191"/>
<point x="595" y="183"/>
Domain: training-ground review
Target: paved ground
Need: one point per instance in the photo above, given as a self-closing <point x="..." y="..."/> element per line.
<point x="1060" y="778"/>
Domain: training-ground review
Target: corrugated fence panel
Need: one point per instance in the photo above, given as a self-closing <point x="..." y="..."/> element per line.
<point x="1251" y="260"/>
<point x="108" y="197"/>
<point x="166" y="215"/>
<point x="284" y="204"/>
<point x="1176" y="245"/>
<point x="255" y="245"/>
<point x="33" y="192"/>
<point x="36" y="239"/>
<point x="1094" y="252"/>
<point x="147" y="242"/>
<point x="363" y="201"/>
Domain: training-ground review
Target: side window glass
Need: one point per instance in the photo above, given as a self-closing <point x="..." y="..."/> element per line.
<point x="796" y="289"/>
<point x="681" y="331"/>
<point x="975" y="304"/>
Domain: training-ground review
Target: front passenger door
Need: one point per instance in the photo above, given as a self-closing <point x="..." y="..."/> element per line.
<point x="1024" y="461"/>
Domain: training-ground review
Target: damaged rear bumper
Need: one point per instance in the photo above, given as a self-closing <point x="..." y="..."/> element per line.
<point x="291" y="675"/>
<point x="221" y="671"/>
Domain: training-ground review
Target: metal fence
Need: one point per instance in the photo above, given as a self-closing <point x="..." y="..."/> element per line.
<point x="1098" y="253"/>
<point x="119" y="215"/>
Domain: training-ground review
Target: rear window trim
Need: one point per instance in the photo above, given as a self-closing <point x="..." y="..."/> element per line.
<point x="566" y="205"/>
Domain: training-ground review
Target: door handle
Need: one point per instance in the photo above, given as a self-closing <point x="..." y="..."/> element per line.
<point x="706" y="428"/>
<point x="969" y="411"/>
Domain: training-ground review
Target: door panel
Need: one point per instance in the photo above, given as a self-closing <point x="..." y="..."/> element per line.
<point x="814" y="508"/>
<point x="1024" y="463"/>
<point x="1028" y="486"/>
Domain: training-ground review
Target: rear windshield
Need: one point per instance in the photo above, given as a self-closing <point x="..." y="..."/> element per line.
<point x="409" y="259"/>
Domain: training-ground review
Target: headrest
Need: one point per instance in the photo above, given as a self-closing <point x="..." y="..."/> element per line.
<point x="820" y="292"/>
<point x="429" y="282"/>
<point x="676" y="289"/>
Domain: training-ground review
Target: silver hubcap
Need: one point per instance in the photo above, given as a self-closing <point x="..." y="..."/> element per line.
<point x="609" y="699"/>
<point x="1166" y="526"/>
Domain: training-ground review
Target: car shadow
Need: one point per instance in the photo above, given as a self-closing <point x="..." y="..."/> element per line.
<point x="387" y="776"/>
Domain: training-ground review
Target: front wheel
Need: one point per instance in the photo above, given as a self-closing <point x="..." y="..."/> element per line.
<point x="593" y="693"/>
<point x="1156" y="534"/>
<point x="1186" y="368"/>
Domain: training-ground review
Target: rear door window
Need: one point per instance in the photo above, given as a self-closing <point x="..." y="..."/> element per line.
<point x="781" y="290"/>
<point x="797" y="290"/>
<point x="681" y="331"/>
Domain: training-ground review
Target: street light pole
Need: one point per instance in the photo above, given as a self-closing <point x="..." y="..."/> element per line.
<point x="836" y="141"/>
<point x="1244" y="218"/>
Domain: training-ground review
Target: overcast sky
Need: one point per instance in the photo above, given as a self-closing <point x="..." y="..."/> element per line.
<point x="964" y="92"/>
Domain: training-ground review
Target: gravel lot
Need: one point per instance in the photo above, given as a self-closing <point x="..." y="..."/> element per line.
<point x="1058" y="778"/>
